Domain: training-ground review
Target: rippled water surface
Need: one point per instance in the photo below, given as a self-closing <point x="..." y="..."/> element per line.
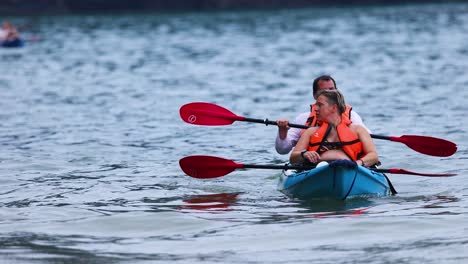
<point x="91" y="136"/>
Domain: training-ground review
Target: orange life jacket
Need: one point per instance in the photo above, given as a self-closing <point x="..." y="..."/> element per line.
<point x="349" y="142"/>
<point x="312" y="119"/>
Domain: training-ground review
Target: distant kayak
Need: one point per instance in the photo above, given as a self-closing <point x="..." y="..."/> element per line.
<point x="336" y="181"/>
<point x="16" y="43"/>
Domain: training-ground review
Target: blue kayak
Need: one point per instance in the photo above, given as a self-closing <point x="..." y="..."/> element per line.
<point x="16" y="43"/>
<point x="334" y="180"/>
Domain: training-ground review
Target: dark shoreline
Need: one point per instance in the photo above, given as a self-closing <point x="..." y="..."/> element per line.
<point x="44" y="7"/>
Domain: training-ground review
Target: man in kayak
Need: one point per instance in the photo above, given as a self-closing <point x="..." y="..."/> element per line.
<point x="287" y="137"/>
<point x="337" y="138"/>
<point x="9" y="36"/>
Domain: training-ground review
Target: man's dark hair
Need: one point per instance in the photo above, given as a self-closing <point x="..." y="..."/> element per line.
<point x="322" y="78"/>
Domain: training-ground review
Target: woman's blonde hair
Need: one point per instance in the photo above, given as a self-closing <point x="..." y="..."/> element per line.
<point x="334" y="97"/>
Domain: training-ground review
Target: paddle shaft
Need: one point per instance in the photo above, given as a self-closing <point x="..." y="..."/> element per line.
<point x="403" y="171"/>
<point x="299" y="167"/>
<point x="276" y="167"/>
<point x="201" y="113"/>
<point x="268" y="122"/>
<point x="205" y="167"/>
<point x="440" y="147"/>
<point x="381" y="137"/>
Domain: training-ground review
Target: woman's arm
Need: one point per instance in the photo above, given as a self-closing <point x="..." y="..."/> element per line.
<point x="302" y="144"/>
<point x="370" y="156"/>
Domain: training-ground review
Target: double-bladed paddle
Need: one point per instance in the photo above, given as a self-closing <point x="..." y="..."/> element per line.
<point x="206" y="167"/>
<point x="208" y="114"/>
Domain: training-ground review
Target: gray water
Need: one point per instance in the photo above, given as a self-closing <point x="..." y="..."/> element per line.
<point x="91" y="136"/>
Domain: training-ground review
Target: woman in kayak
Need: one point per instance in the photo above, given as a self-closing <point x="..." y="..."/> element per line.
<point x="288" y="137"/>
<point x="336" y="138"/>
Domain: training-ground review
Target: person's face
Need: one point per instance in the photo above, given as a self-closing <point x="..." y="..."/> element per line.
<point x="326" y="85"/>
<point x="323" y="109"/>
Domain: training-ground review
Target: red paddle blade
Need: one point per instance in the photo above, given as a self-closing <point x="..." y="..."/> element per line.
<point x="201" y="113"/>
<point x="206" y="167"/>
<point x="428" y="145"/>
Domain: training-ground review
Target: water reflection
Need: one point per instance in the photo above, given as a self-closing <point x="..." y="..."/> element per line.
<point x="288" y="210"/>
<point x="440" y="201"/>
<point x="318" y="208"/>
<point x="345" y="213"/>
<point x="208" y="202"/>
<point x="437" y="205"/>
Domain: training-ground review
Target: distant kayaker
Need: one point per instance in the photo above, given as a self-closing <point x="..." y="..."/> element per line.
<point x="9" y="35"/>
<point x="336" y="137"/>
<point x="287" y="138"/>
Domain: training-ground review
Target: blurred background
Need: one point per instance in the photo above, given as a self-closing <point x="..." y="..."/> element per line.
<point x="36" y="7"/>
<point x="91" y="137"/>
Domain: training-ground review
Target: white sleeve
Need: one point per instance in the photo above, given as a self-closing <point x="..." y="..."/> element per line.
<point x="284" y="146"/>
<point x="3" y="34"/>
<point x="356" y="119"/>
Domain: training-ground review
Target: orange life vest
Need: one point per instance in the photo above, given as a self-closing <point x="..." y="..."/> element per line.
<point x="312" y="119"/>
<point x="349" y="142"/>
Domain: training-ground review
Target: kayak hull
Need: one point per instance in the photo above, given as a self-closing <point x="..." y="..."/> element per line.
<point x="337" y="182"/>
<point x="16" y="43"/>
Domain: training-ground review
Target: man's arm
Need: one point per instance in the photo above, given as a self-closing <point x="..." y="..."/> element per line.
<point x="356" y="119"/>
<point x="284" y="146"/>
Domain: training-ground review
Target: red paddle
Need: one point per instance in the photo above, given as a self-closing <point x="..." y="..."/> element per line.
<point x="206" y="167"/>
<point x="201" y="113"/>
